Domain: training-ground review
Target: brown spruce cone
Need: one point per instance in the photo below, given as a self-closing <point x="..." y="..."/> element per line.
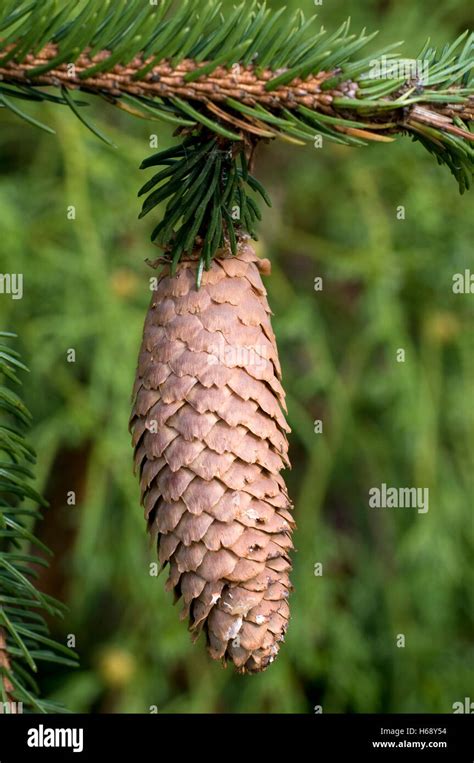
<point x="210" y="442"/>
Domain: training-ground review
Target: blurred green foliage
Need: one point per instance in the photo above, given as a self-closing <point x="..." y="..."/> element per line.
<point x="387" y="285"/>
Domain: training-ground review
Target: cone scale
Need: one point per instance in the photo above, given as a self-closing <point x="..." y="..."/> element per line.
<point x="210" y="442"/>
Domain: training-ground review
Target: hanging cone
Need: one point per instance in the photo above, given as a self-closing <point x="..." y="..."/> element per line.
<point x="210" y="442"/>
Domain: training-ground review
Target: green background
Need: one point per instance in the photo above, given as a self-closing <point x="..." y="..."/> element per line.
<point x="387" y="285"/>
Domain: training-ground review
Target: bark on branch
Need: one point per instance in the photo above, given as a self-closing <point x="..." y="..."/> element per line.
<point x="242" y="83"/>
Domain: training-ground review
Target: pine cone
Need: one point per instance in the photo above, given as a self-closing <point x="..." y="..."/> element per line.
<point x="210" y="442"/>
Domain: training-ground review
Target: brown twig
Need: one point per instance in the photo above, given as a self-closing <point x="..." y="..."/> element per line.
<point x="242" y="83"/>
<point x="165" y="81"/>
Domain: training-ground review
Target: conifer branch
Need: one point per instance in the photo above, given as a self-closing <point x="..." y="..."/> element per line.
<point x="227" y="82"/>
<point x="264" y="70"/>
<point x="24" y="635"/>
<point x="247" y="86"/>
<point x="7" y="686"/>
